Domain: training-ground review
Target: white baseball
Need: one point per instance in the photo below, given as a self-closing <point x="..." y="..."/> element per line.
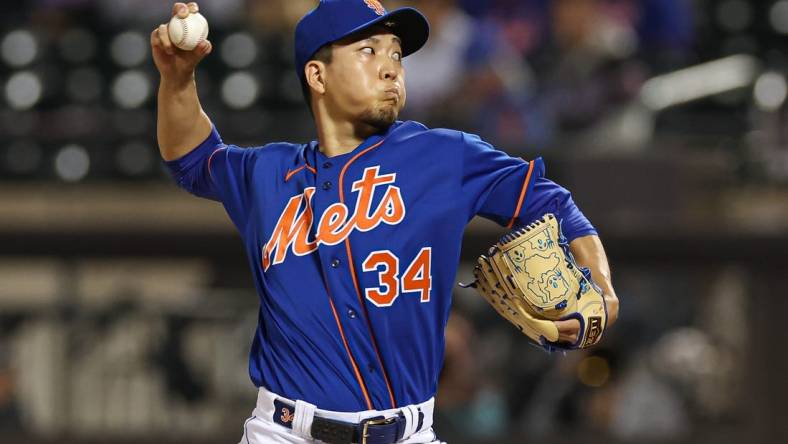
<point x="187" y="33"/>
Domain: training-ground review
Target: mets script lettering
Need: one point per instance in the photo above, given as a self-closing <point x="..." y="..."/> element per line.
<point x="292" y="229"/>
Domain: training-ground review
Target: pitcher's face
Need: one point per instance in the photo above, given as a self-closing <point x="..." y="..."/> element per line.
<point x="365" y="80"/>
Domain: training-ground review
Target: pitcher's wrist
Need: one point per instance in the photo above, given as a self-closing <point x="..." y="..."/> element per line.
<point x="177" y="84"/>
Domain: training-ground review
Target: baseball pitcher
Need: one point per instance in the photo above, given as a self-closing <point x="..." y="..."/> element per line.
<point x="354" y="239"/>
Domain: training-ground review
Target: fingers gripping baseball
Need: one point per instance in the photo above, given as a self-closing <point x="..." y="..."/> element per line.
<point x="182" y="10"/>
<point x="171" y="61"/>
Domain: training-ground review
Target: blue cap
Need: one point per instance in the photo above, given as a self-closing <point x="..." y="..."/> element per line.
<point x="334" y="20"/>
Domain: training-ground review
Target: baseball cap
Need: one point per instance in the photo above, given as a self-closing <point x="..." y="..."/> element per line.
<point x="334" y="20"/>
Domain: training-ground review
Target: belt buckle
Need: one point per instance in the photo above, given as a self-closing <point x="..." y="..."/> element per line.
<point x="375" y="422"/>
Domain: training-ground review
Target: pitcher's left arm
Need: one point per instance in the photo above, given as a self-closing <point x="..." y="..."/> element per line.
<point x="589" y="252"/>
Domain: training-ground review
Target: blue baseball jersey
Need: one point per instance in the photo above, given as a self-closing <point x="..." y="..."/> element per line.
<point x="354" y="257"/>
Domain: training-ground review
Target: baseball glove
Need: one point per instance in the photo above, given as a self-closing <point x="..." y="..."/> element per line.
<point x="531" y="279"/>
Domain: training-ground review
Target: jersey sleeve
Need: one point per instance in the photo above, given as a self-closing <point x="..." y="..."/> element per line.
<point x="219" y="172"/>
<point x="513" y="192"/>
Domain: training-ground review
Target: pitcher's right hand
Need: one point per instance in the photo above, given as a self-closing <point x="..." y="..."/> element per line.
<point x="175" y="64"/>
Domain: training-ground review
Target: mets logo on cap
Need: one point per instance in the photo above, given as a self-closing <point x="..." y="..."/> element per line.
<point x="375" y="6"/>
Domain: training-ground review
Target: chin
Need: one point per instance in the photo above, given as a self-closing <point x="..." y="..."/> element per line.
<point x="381" y="118"/>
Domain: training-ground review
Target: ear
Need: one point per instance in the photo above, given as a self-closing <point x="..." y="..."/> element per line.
<point x="314" y="73"/>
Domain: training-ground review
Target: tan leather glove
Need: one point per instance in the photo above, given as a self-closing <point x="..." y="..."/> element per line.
<point x="531" y="279"/>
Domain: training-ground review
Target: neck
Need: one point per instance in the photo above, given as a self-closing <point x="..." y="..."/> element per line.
<point x="340" y="136"/>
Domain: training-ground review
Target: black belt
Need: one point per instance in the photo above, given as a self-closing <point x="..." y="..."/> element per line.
<point x="377" y="430"/>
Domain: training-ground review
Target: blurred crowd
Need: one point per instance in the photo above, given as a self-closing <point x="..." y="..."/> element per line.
<point x="664" y="374"/>
<point x="531" y="76"/>
<point x="534" y="77"/>
<point x="535" y="73"/>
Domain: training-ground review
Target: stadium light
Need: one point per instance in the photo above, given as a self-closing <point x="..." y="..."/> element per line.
<point x="240" y="90"/>
<point x="699" y="81"/>
<point x="238" y="50"/>
<point x="19" y="48"/>
<point x="72" y="163"/>
<point x="129" y="49"/>
<point x="770" y="91"/>
<point x="778" y="16"/>
<point x="23" y="90"/>
<point x="131" y="89"/>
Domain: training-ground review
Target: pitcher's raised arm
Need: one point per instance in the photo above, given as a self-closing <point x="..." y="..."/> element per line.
<point x="181" y="122"/>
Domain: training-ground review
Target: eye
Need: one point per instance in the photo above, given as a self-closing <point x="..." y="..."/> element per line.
<point x="397" y="56"/>
<point x="368" y="50"/>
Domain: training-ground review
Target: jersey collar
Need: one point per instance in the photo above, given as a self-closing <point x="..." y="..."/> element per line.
<point x="342" y="158"/>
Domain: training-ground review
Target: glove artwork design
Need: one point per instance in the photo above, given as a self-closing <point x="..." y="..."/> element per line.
<point x="531" y="279"/>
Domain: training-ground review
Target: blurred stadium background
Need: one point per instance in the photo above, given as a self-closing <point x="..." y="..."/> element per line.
<point x="126" y="307"/>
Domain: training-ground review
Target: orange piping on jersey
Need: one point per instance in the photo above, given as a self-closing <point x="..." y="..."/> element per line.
<point x="522" y="195"/>
<point x="353" y="275"/>
<point x="369" y="325"/>
<point x="291" y="172"/>
<point x="210" y="159"/>
<point x="347" y="349"/>
<point x="344" y="168"/>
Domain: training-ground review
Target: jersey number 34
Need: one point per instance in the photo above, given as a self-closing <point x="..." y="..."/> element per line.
<point x="417" y="277"/>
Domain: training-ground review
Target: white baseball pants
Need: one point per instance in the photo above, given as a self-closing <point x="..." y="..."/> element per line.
<point x="261" y="429"/>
